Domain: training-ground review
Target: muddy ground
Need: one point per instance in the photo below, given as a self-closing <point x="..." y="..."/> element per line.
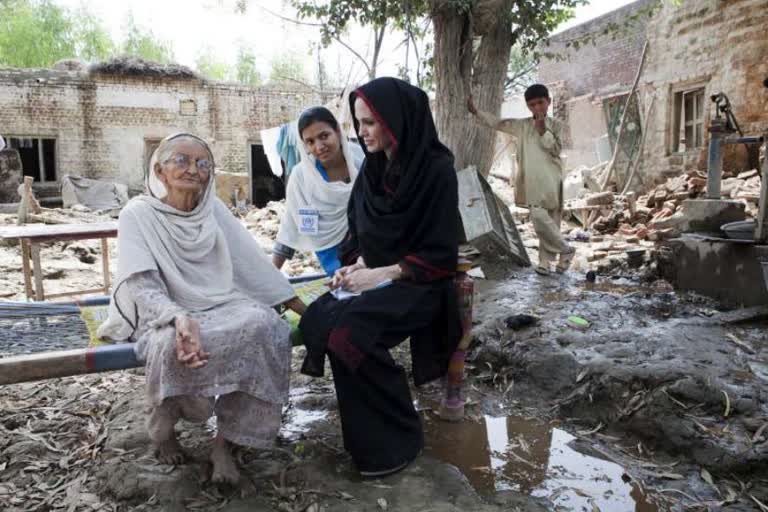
<point x="658" y="405"/>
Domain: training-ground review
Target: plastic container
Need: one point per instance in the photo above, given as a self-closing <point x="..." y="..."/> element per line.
<point x="740" y="230"/>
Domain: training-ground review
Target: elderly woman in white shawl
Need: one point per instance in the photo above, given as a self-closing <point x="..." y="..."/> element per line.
<point x="315" y="217"/>
<point x="196" y="293"/>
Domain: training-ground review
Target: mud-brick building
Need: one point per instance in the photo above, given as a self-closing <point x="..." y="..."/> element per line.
<point x="695" y="50"/>
<point x="104" y="122"/>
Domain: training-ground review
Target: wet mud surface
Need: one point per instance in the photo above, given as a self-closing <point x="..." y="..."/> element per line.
<point x="657" y="405"/>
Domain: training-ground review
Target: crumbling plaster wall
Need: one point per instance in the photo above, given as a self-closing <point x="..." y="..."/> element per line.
<point x="720" y="44"/>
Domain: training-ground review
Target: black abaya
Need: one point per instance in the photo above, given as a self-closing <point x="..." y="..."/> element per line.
<point x="403" y="211"/>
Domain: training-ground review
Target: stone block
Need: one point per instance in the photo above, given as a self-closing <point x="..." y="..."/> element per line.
<point x="723" y="270"/>
<point x="599" y="199"/>
<point x="747" y="174"/>
<point x="597" y="255"/>
<point x="707" y="215"/>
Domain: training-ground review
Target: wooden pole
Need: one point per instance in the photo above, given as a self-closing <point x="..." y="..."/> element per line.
<point x="623" y="122"/>
<point x="640" y="147"/>
<point x="37" y="268"/>
<point x="26" y="269"/>
<point x="105" y="264"/>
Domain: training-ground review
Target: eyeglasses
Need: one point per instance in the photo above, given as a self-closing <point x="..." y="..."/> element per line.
<point x="184" y="162"/>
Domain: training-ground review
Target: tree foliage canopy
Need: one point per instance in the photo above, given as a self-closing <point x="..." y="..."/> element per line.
<point x="208" y="65"/>
<point x="38" y="33"/>
<point x="142" y="42"/>
<point x="529" y="22"/>
<point x="336" y="15"/>
<point x="287" y="68"/>
<point x="245" y="68"/>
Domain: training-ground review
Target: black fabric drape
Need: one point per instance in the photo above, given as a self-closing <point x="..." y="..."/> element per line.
<point x="404" y="210"/>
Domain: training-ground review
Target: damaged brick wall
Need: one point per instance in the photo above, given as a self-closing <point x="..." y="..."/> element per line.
<point x="602" y="66"/>
<point x="695" y="49"/>
<point x="715" y="45"/>
<point x="102" y="123"/>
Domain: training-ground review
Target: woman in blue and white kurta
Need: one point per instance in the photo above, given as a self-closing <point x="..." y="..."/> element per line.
<point x="315" y="217"/>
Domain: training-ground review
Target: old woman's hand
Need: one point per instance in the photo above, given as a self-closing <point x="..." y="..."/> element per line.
<point x="189" y="350"/>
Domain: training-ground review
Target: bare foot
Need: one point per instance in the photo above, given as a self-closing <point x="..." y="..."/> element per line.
<point x="169" y="452"/>
<point x="224" y="466"/>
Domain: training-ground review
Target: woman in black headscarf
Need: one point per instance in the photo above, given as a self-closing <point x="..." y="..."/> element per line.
<point x="400" y="255"/>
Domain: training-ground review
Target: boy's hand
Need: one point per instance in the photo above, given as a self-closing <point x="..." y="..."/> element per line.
<point x="540" y="122"/>
<point x="471" y="105"/>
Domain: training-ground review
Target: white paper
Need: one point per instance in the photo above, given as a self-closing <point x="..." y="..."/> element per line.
<point x="341" y="294"/>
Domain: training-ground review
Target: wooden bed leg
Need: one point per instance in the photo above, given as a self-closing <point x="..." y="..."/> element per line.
<point x="27" y="271"/>
<point x="105" y="265"/>
<point x="37" y="269"/>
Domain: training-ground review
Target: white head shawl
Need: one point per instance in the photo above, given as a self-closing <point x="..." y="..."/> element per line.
<point x="307" y="189"/>
<point x="205" y="256"/>
<point x="2" y="143"/>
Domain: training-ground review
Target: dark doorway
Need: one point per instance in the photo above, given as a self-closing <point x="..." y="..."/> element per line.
<point x="38" y="157"/>
<point x="265" y="186"/>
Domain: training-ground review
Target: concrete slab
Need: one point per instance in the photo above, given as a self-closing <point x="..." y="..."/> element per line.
<point x="718" y="268"/>
<point x="707" y="215"/>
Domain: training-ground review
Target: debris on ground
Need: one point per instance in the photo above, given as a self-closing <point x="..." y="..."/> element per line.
<point x="521" y="321"/>
<point x="658" y="215"/>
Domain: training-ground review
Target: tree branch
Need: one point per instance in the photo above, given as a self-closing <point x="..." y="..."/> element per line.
<point x="378" y="40"/>
<point x="290" y="20"/>
<point x="354" y="52"/>
<point x="300" y="82"/>
<point x="319" y="25"/>
<point x="511" y="81"/>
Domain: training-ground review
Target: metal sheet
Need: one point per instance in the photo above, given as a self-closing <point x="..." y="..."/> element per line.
<point x="487" y="223"/>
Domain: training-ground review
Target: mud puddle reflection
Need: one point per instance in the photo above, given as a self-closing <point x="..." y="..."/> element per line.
<point x="518" y="454"/>
<point x="303" y="414"/>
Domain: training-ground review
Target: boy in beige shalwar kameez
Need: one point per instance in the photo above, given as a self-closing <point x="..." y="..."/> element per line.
<point x="539" y="180"/>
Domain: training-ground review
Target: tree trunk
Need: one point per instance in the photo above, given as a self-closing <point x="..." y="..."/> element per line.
<point x="490" y="72"/>
<point x="452" y="67"/>
<point x="455" y="77"/>
<point x="378" y="41"/>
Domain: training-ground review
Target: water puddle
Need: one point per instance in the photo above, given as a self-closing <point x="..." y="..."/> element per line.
<point x="298" y="419"/>
<point x="505" y="454"/>
<point x="518" y="454"/>
<point x="617" y="287"/>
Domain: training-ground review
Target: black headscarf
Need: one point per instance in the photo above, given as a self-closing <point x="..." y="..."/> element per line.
<point x="404" y="210"/>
